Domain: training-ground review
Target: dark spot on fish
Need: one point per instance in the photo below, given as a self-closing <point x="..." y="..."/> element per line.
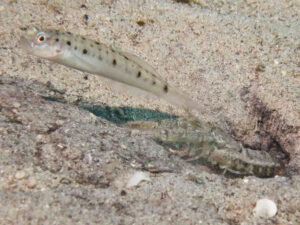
<point x="114" y="62"/>
<point x="166" y="88"/>
<point x="139" y="74"/>
<point x="84" y="51"/>
<point x="69" y="33"/>
<point x="69" y="43"/>
<point x="86" y="19"/>
<point x="112" y="50"/>
<point x="75" y="47"/>
<point x="83" y="38"/>
<point x="57" y="40"/>
<point x="126" y="57"/>
<point x="153" y="82"/>
<point x="100" y="57"/>
<point x="97" y="43"/>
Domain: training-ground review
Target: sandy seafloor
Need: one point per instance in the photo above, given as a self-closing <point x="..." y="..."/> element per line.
<point x="240" y="60"/>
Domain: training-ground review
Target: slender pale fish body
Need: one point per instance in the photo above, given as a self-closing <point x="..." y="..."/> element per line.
<point x="96" y="58"/>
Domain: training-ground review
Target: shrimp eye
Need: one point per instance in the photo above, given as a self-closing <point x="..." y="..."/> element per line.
<point x="41" y="38"/>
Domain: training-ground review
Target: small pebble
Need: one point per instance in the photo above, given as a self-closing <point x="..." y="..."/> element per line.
<point x="296" y="74"/>
<point x="260" y="68"/>
<point x="31" y="183"/>
<point x="59" y="122"/>
<point x="246" y="180"/>
<point x="283" y="73"/>
<point x="60" y="146"/>
<point x="136" y="178"/>
<point x="16" y="104"/>
<point x="134" y="132"/>
<point x="59" y="16"/>
<point x="123" y="146"/>
<point x="265" y="208"/>
<point x="140" y="23"/>
<point x="39" y="137"/>
<point x="20" y="175"/>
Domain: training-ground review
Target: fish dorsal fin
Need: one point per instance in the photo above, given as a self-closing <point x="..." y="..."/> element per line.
<point x="140" y="62"/>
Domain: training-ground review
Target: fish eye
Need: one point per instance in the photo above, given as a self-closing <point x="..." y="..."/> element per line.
<point x="41" y="38"/>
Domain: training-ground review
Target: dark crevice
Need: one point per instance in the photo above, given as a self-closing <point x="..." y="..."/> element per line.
<point x="272" y="134"/>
